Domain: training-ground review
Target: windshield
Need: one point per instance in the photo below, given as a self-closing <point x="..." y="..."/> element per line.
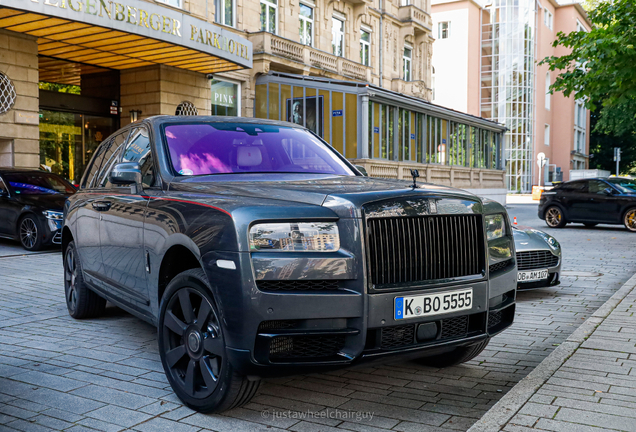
<point x="224" y="148"/>
<point x="35" y="183"/>
<point x="623" y="184"/>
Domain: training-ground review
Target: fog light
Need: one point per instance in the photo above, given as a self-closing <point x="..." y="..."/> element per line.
<point x="426" y="331"/>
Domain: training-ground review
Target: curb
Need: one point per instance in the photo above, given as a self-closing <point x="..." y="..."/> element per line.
<point x="501" y="413"/>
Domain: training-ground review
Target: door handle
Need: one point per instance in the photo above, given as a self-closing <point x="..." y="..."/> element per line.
<point x="101" y="205"/>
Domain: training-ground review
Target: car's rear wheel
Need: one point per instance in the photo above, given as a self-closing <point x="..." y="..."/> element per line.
<point x="630" y="219"/>
<point x="81" y="302"/>
<point x="590" y="225"/>
<point x="457" y="356"/>
<point x="193" y="350"/>
<point x="554" y="217"/>
<point x="30" y="233"/>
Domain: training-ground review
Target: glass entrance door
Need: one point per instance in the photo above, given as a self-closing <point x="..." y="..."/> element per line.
<point x="68" y="141"/>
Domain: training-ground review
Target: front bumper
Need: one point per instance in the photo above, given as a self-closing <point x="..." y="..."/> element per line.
<point x="553" y="279"/>
<point x="273" y="333"/>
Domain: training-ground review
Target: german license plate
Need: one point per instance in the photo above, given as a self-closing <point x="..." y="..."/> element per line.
<point x="433" y="304"/>
<point x="534" y="275"/>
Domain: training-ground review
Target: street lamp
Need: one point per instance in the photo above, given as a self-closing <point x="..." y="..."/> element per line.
<point x="134" y="115"/>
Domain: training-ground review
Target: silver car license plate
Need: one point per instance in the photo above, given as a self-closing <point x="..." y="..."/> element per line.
<point x="533" y="275"/>
<point x="433" y="304"/>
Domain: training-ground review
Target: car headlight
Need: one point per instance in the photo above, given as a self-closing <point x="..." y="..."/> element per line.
<point x="551" y="241"/>
<point x="295" y="236"/>
<point x="55" y="215"/>
<point x="495" y="226"/>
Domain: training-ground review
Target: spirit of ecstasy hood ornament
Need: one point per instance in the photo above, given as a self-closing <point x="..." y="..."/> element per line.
<point x="415" y="174"/>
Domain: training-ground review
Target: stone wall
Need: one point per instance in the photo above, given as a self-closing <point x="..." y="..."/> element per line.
<point x="19" y="133"/>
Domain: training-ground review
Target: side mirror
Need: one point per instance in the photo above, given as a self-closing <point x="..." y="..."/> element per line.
<point x="362" y="170"/>
<point x="125" y="173"/>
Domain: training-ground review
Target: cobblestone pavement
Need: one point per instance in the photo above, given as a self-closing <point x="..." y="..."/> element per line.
<point x="61" y="374"/>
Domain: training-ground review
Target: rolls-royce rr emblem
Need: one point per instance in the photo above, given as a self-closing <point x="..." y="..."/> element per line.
<point x="415" y="174"/>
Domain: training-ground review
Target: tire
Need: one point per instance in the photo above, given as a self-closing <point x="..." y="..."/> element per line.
<point x="457" y="356"/>
<point x="590" y="225"/>
<point x="554" y="217"/>
<point x="30" y="233"/>
<point x="81" y="302"/>
<point x="192" y="348"/>
<point x="629" y="219"/>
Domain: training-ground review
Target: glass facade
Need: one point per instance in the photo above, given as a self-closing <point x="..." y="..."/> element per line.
<point x="507" y="82"/>
<point x="360" y="124"/>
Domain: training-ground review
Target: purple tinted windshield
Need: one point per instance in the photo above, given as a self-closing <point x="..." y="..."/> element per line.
<point x="223" y="148"/>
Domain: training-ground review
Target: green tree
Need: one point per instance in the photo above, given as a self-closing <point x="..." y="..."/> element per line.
<point x="600" y="69"/>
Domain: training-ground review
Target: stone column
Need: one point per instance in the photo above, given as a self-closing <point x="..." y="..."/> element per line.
<point x="19" y="126"/>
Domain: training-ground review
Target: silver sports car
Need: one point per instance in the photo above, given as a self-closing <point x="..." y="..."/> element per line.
<point x="538" y="258"/>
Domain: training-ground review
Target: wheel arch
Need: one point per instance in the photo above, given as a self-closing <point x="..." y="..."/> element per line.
<point x="177" y="259"/>
<point x="67" y="237"/>
<point x="555" y="204"/>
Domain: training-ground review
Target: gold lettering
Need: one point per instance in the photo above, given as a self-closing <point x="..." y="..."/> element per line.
<point x="216" y="41"/>
<point x="63" y="4"/>
<point x="91" y="7"/>
<point x="79" y="7"/>
<point x="155" y="25"/>
<point x="119" y="12"/>
<point x="143" y="18"/>
<point x="176" y="26"/>
<point x="166" y="24"/>
<point x="208" y="37"/>
<point x="193" y="30"/>
<point x="108" y="9"/>
<point x="200" y="36"/>
<point x="132" y="14"/>
<point x="231" y="46"/>
<point x="48" y="2"/>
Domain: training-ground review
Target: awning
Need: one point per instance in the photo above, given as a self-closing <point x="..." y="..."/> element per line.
<point x="125" y="35"/>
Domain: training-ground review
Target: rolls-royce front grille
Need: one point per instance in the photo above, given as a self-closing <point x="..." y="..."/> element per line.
<point x="540" y="259"/>
<point x="424" y="248"/>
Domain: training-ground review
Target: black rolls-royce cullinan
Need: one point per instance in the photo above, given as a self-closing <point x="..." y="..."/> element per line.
<point x="258" y="250"/>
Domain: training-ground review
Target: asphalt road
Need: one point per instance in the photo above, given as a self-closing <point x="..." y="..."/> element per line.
<point x="104" y="374"/>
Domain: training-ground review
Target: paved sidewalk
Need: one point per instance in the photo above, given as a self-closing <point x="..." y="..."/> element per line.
<point x="587" y="384"/>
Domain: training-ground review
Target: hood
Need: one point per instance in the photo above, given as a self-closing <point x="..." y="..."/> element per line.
<point x="311" y="189"/>
<point x="43" y="202"/>
<point x="527" y="238"/>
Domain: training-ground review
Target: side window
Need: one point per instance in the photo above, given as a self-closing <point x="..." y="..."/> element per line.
<point x="138" y="150"/>
<point x="96" y="164"/>
<point x="597" y="187"/>
<point x="111" y="157"/>
<point x="577" y="187"/>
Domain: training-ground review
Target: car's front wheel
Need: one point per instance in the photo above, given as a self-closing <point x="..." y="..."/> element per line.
<point x="457" y="356"/>
<point x="630" y="219"/>
<point x="193" y="350"/>
<point x="81" y="302"/>
<point x="30" y="233"/>
<point x="554" y="217"/>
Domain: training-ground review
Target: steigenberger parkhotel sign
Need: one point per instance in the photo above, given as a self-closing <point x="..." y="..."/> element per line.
<point x="146" y="19"/>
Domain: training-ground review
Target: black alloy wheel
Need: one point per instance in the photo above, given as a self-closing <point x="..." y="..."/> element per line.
<point x="193" y="343"/>
<point x="554" y="217"/>
<point x="29" y="231"/>
<point x="193" y="349"/>
<point x="81" y="302"/>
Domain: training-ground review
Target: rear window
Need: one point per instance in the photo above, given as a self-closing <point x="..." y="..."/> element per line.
<point x="230" y="148"/>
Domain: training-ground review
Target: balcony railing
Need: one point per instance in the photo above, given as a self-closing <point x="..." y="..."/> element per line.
<point x="416" y="14"/>
<point x="268" y="43"/>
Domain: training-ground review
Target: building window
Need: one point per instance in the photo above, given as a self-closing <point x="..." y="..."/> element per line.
<point x="443" y="30"/>
<point x="269" y="15"/>
<point x="580" y="123"/>
<point x="580" y="27"/>
<point x="547" y="90"/>
<point x="546" y="135"/>
<point x="547" y="18"/>
<point x="174" y="3"/>
<point x="405" y="2"/>
<point x="408" y="53"/>
<point x="365" y="47"/>
<point x="306" y="18"/>
<point x="225" y="12"/>
<point x="226" y="97"/>
<point x="337" y="36"/>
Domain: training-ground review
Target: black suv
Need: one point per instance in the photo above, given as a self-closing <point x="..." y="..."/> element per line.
<point x="591" y="202"/>
<point x="258" y="250"/>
